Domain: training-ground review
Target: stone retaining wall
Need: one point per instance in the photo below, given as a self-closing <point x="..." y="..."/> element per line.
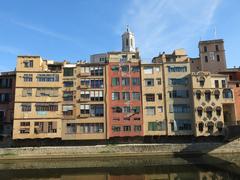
<point x="120" y="150"/>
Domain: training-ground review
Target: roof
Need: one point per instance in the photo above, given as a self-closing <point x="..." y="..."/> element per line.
<point x="211" y="41"/>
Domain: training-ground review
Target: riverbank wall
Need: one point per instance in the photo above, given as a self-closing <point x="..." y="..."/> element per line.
<point x="120" y="150"/>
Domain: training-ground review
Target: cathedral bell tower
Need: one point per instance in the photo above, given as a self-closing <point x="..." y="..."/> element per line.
<point x="128" y="41"/>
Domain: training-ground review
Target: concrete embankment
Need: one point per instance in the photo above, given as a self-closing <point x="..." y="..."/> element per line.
<point x="120" y="150"/>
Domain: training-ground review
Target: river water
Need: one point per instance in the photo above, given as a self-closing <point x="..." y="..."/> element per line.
<point x="134" y="168"/>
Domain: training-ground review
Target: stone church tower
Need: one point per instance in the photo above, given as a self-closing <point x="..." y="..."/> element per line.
<point x="128" y="41"/>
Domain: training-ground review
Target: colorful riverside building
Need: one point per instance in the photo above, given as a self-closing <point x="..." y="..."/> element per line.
<point x="213" y="103"/>
<point x="234" y="83"/>
<point x="124" y="103"/>
<point x="38" y="98"/>
<point x="7" y="95"/>
<point x="117" y="95"/>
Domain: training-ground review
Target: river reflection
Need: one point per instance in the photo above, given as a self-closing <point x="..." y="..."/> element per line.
<point x="139" y="168"/>
<point x="179" y="172"/>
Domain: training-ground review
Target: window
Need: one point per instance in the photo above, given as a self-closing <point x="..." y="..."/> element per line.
<point x="205" y="48"/>
<point x="181" y="81"/>
<point x="216" y="82"/>
<point x="209" y="112"/>
<point x="68" y="71"/>
<point x="24" y="123"/>
<point x="157" y="126"/>
<point x="179" y="108"/>
<point x="126" y="109"/>
<point x="71" y="128"/>
<point x="150" y="97"/>
<point x="24" y="130"/>
<point x="116" y="128"/>
<point x="5" y="97"/>
<point x="137" y="128"/>
<point x="51" y="92"/>
<point x="198" y="94"/>
<point x="148" y="70"/>
<point x="149" y="82"/>
<point x="223" y="84"/>
<point x="200" y="127"/>
<point x="27" y="77"/>
<point x="126" y="128"/>
<point x="217" y="94"/>
<point x="67" y="110"/>
<point x="97" y="83"/>
<point x="218" y="111"/>
<point x="160" y="109"/>
<point x="177" y="69"/>
<point x="135" y="81"/>
<point x="26" y="107"/>
<point x="207" y="95"/>
<point x="179" y="94"/>
<point x="85" y="82"/>
<point x="115" y="95"/>
<point x="116" y="109"/>
<point x="28" y="63"/>
<point x="5" y="83"/>
<point x="26" y="92"/>
<point x="115" y="81"/>
<point x="84" y="70"/>
<point x="125" y="81"/>
<point x="125" y="68"/>
<point x="136" y="96"/>
<point x="126" y="96"/>
<point x="206" y="59"/>
<point x="218" y="58"/>
<point x="84" y="109"/>
<point x="46" y="107"/>
<point x="217" y="48"/>
<point x="227" y="93"/>
<point x="68" y="95"/>
<point x="182" y="125"/>
<point x="150" y="110"/>
<point x="85" y="95"/>
<point x="201" y="81"/>
<point x="115" y="68"/>
<point x="136" y="109"/>
<point x="199" y="111"/>
<point x="47" y="78"/>
<point x="135" y="69"/>
<point x="96" y="71"/>
<point x="96" y="95"/>
<point x="159" y="82"/>
<point x="88" y="128"/>
<point x="210" y="126"/>
<point x="96" y="110"/>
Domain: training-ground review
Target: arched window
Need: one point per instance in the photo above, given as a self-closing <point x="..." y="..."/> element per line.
<point x="210" y="126"/>
<point x="199" y="111"/>
<point x="227" y="93"/>
<point x="201" y="81"/>
<point x="218" y="111"/>
<point x="217" y="94"/>
<point x="201" y="126"/>
<point x="127" y="42"/>
<point x="209" y="112"/>
<point x="198" y="94"/>
<point x="207" y="95"/>
<point x="219" y="125"/>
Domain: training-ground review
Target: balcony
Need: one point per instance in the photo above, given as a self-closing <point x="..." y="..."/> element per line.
<point x="84" y="99"/>
<point x="84" y="74"/>
<point x="84" y="86"/>
<point x="84" y="115"/>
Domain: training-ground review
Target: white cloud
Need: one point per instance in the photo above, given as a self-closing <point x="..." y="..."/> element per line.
<point x="44" y="31"/>
<point x="164" y="25"/>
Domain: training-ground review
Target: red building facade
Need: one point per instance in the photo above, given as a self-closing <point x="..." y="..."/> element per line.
<point x="234" y="83"/>
<point x="124" y="100"/>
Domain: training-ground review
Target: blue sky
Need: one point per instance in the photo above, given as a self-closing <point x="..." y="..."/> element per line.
<point x="75" y="29"/>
